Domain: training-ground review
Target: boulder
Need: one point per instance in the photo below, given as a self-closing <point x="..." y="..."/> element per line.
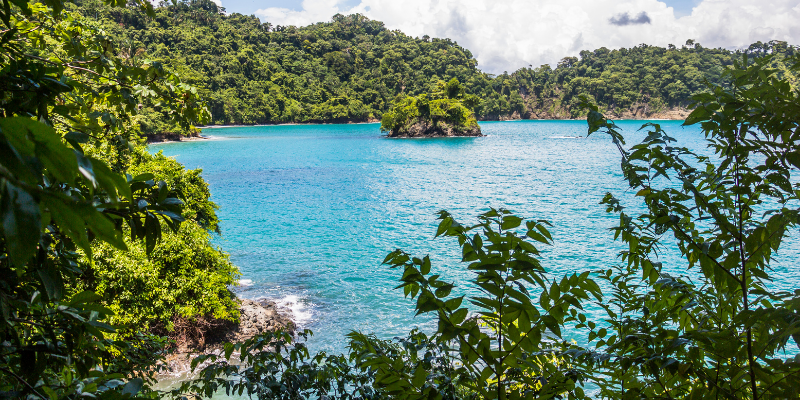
<point x="255" y="317"/>
<point x="425" y="129"/>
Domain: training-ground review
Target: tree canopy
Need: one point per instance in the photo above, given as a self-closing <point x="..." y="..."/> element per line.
<point x="445" y="112"/>
<point x="352" y="68"/>
<point x="96" y="234"/>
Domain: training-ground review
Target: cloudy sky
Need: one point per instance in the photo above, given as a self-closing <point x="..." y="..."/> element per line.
<point x="505" y="35"/>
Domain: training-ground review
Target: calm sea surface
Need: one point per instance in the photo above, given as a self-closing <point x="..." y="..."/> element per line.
<point x="309" y="212"/>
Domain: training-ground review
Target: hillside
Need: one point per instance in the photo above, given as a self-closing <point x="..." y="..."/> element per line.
<point x="353" y="68"/>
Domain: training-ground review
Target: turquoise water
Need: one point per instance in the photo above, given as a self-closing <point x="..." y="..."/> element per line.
<point x="309" y="212"/>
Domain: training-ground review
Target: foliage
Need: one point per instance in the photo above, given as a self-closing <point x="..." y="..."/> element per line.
<point x="63" y="91"/>
<point x="520" y="356"/>
<point x="182" y="277"/>
<point x="443" y="108"/>
<point x="723" y="331"/>
<point x="188" y="185"/>
<point x="352" y="68"/>
<point x="249" y="72"/>
<point x="67" y="100"/>
<point x="277" y="365"/>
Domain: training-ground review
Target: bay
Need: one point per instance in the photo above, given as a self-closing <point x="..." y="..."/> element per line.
<point x="309" y="212"/>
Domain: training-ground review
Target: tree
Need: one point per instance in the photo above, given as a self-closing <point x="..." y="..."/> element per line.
<point x="235" y="59"/>
<point x="508" y="346"/>
<point x="65" y="94"/>
<point x="440" y="113"/>
<point x="721" y="332"/>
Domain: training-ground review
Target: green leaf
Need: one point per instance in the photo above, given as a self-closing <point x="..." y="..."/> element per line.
<point x="114" y="184"/>
<point x="511" y="222"/>
<point x="58" y="159"/>
<point x="425" y="268"/>
<point x="16" y="132"/>
<point x="794" y="158"/>
<point x="69" y="219"/>
<point x="420" y="376"/>
<point x="77" y="137"/>
<point x="444" y="291"/>
<point x="143" y="177"/>
<point x="102" y="325"/>
<point x="21" y="223"/>
<point x="52" y="281"/>
<point x="171" y="215"/>
<point x="84" y="297"/>
<point x="459" y="316"/>
<point x="133" y="386"/>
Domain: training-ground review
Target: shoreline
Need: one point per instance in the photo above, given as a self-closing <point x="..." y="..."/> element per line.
<point x="482" y="120"/>
<point x="286" y="124"/>
<point x="198" y="138"/>
<point x="201" y="137"/>
<point x="256" y="316"/>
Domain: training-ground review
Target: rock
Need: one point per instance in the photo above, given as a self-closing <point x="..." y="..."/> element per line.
<point x="255" y="317"/>
<point x="424" y="129"/>
<point x="167" y="137"/>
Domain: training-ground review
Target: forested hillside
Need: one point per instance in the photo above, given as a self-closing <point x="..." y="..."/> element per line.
<point x="353" y="68"/>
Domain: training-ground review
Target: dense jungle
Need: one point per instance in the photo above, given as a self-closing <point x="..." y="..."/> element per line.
<point x="107" y="252"/>
<point x="352" y="69"/>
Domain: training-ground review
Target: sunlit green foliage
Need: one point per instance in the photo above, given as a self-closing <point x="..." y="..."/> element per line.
<point x="188" y="185"/>
<point x="504" y="343"/>
<point x="249" y="72"/>
<point x="353" y="69"/>
<point x="644" y="77"/>
<point x="184" y="276"/>
<point x="442" y="110"/>
<point x="724" y="331"/>
<point x="66" y="105"/>
<point x="72" y="219"/>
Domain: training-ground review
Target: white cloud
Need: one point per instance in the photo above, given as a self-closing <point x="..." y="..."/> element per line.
<point x="312" y="11"/>
<point x="511" y="34"/>
<point x="217" y="2"/>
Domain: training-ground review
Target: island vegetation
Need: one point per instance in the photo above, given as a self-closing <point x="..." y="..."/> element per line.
<point x="105" y="248"/>
<point x="443" y="113"/>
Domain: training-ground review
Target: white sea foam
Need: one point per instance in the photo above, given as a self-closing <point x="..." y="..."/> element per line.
<point x="300" y="311"/>
<point x="567" y="137"/>
<point x="245" y="282"/>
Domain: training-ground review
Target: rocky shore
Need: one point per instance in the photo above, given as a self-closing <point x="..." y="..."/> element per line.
<point x="642" y="112"/>
<point x="173" y="137"/>
<point x="255" y="317"/>
<point x="638" y="111"/>
<point x="425" y="129"/>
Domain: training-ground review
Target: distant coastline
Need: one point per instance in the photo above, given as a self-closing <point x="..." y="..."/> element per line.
<point x="289" y="124"/>
<point x="676" y="114"/>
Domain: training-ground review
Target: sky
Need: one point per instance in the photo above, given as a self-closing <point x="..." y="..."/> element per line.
<point x="505" y="35"/>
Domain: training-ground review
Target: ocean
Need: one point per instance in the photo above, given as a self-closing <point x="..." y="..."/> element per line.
<point x="308" y="212"/>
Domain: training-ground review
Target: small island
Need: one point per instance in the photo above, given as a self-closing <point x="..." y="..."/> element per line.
<point x="446" y="112"/>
